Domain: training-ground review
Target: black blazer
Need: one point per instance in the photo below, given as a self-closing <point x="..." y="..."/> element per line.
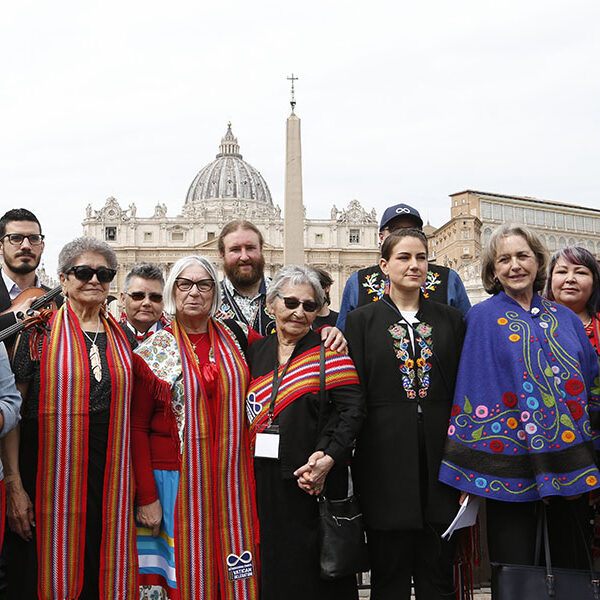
<point x="386" y="463"/>
<point x="298" y="422"/>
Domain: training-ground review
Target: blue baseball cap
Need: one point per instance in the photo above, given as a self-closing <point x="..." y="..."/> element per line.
<point x="401" y="210"/>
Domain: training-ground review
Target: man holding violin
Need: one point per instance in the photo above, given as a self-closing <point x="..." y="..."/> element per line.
<point x="21" y="247"/>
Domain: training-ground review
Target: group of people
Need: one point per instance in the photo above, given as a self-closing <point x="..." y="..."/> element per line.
<point x="179" y="451"/>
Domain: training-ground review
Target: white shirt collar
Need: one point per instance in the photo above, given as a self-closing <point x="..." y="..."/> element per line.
<point x="12" y="288"/>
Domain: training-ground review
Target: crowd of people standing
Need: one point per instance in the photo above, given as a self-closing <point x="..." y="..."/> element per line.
<point x="179" y="451"/>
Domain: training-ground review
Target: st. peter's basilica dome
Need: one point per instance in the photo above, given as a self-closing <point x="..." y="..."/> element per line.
<point x="229" y="177"/>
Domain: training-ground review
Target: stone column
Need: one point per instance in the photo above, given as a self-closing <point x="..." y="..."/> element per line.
<point x="293" y="231"/>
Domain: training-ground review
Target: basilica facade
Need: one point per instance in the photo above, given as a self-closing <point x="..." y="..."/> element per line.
<point x="225" y="189"/>
<point x="230" y="188"/>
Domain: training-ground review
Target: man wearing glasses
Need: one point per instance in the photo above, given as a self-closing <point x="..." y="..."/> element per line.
<point x="368" y="285"/>
<point x="21" y="247"/>
<point x="142" y="301"/>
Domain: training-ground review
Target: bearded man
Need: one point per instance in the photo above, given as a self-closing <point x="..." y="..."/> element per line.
<point x="244" y="287"/>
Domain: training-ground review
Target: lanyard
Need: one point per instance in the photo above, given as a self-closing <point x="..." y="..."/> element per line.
<point x="277" y="379"/>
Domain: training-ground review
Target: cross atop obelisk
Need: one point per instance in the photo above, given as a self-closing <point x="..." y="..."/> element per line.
<point x="293" y="100"/>
<point x="293" y="223"/>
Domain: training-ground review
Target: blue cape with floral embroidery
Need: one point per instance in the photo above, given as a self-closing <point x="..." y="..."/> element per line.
<point x="520" y="428"/>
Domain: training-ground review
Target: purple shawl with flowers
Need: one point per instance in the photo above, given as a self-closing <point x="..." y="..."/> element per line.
<point x="527" y="384"/>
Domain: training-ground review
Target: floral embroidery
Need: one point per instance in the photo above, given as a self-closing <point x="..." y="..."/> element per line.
<point x="401" y="344"/>
<point x="376" y="285"/>
<point x="431" y="282"/>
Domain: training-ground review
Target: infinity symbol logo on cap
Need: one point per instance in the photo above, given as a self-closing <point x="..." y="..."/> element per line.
<point x="402" y="209"/>
<point x="233" y="560"/>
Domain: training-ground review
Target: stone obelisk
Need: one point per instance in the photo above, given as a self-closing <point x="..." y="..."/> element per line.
<point x="293" y="224"/>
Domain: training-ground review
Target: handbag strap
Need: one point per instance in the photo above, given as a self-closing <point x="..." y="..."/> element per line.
<point x="550" y="584"/>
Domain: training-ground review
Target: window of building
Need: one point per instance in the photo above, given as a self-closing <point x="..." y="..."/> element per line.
<point x="562" y="243"/>
<point x="177" y="236"/>
<point x="590" y="246"/>
<point x="540" y="217"/>
<point x="552" y="243"/>
<point x="354" y="237"/>
<point x="549" y="215"/>
<point x="486" y="210"/>
<point x="318" y="238"/>
<point x="465" y="235"/>
<point x="530" y="216"/>
<point x="569" y="222"/>
<point x="147" y="236"/>
<point x="497" y="212"/>
<point x="519" y="215"/>
<point x="560" y="220"/>
<point x="571" y="241"/>
<point x="110" y="234"/>
<point x="487" y="232"/>
<point x="210" y="235"/>
<point x="508" y="214"/>
<point x="579" y="223"/>
<point x="589" y="224"/>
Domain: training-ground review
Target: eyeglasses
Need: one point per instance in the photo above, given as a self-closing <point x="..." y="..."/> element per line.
<point x="203" y="285"/>
<point x="16" y="239"/>
<point x="291" y="303"/>
<point x="138" y="296"/>
<point x="85" y="273"/>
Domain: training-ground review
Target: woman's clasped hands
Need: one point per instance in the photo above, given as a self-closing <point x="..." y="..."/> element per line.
<point x="311" y="476"/>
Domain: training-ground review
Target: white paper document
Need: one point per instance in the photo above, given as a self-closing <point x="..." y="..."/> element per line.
<point x="465" y="517"/>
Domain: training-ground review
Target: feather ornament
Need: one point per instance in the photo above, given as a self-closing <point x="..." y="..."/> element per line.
<point x="95" y="362"/>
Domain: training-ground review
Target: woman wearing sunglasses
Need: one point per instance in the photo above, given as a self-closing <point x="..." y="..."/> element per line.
<point x="406" y="349"/>
<point x="196" y="511"/>
<point x="70" y="494"/>
<point x="292" y="458"/>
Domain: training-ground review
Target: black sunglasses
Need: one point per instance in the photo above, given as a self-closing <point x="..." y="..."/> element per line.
<point x="137" y="296"/>
<point x="291" y="303"/>
<point x="85" y="273"/>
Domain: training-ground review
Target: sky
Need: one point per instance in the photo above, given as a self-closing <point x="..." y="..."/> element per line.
<point x="399" y="101"/>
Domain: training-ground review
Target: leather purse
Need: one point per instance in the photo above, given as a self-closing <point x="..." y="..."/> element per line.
<point x="545" y="582"/>
<point x="342" y="542"/>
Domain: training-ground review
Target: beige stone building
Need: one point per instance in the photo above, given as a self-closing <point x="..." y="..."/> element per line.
<point x="474" y="215"/>
<point x="230" y="188"/>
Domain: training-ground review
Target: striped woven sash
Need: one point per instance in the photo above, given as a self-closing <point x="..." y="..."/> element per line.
<point x="63" y="463"/>
<point x="216" y="511"/>
<point x="302" y="377"/>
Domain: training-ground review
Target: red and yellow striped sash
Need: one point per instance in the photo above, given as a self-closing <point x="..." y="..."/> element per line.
<point x="216" y="510"/>
<point x="63" y="462"/>
<point x="302" y="377"/>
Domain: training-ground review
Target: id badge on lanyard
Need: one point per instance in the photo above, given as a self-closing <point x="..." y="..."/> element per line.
<point x="267" y="441"/>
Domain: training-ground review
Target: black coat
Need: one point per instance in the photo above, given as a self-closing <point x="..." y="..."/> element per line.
<point x="298" y="422"/>
<point x="386" y="463"/>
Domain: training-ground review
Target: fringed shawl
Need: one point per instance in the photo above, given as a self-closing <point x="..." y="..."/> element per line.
<point x="216" y="521"/>
<point x="63" y="462"/>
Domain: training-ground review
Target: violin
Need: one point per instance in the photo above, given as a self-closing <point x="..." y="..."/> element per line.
<point x="45" y="303"/>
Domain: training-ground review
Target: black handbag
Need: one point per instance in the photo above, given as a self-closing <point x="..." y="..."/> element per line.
<point x="342" y="543"/>
<point x="524" y="582"/>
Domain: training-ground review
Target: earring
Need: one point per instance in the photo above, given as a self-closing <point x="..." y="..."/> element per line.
<point x="496" y="281"/>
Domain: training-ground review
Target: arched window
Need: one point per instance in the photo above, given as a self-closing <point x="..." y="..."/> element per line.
<point x="551" y="243"/>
